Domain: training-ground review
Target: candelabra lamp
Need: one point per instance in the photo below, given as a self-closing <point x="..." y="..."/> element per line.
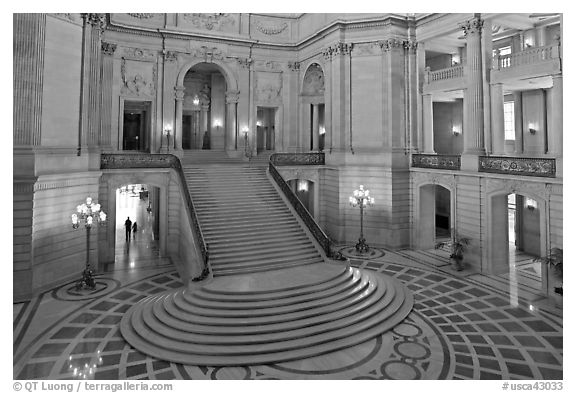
<point x="90" y="214"/>
<point x="247" y="151"/>
<point x="362" y="199"/>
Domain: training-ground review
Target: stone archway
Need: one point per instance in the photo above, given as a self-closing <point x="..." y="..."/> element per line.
<point x="313" y="109"/>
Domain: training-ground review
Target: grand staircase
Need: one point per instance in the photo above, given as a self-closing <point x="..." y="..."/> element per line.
<point x="274" y="296"/>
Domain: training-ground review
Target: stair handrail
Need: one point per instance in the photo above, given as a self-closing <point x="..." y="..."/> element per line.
<point x="304" y="214"/>
<point x="131" y="161"/>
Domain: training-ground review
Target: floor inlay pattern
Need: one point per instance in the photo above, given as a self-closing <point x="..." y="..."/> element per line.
<point x="457" y="330"/>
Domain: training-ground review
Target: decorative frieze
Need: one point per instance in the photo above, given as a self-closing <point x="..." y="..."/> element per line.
<point x="367" y="49"/>
<point x="171" y="56"/>
<point x="142" y="15"/>
<point x="337" y="49"/>
<point x="218" y="21"/>
<point x="270" y="29"/>
<point x="473" y="26"/>
<point x="127" y="161"/>
<point x="436" y="161"/>
<point x="139" y="54"/>
<point x="410" y="45"/>
<point x="108" y="48"/>
<point x="391" y="43"/>
<point x="545" y="167"/>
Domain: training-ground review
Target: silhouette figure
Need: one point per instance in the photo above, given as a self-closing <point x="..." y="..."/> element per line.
<point x="134" y="229"/>
<point x="128" y="225"/>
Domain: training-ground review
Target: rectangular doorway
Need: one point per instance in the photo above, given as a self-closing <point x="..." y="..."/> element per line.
<point x="136" y="126"/>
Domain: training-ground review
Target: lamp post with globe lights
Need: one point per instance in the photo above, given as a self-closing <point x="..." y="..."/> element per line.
<point x="362" y="199"/>
<point x="90" y="214"/>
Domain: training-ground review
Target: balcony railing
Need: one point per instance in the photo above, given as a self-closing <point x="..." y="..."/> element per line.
<point x="131" y="161"/>
<point x="297" y="159"/>
<point x="545" y="167"/>
<point x="444" y="74"/>
<point x="530" y="56"/>
<point x="436" y="161"/>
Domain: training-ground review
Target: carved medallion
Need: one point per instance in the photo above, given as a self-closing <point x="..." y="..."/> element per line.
<point x="270" y="29"/>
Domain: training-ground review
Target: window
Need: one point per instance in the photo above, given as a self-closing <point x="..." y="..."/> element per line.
<point x="509" y="131"/>
<point x="505" y="50"/>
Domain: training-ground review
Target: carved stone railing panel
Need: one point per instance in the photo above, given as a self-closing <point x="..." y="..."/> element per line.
<point x="304" y="214"/>
<point x="132" y="161"/>
<point x="530" y="56"/>
<point x="436" y="161"/>
<point x="297" y="159"/>
<point x="545" y="167"/>
<point x="444" y="74"/>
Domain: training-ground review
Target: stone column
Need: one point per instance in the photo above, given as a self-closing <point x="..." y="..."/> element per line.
<point x="473" y="95"/>
<point x="497" y="109"/>
<point x="231" y="141"/>
<point x="421" y="69"/>
<point x="412" y="96"/>
<point x="555" y="138"/>
<point x="315" y="128"/>
<point x="428" y="124"/>
<point x="518" y="131"/>
<point x="28" y="35"/>
<point x="540" y="36"/>
<point x="176" y="137"/>
<point x="108" y="50"/>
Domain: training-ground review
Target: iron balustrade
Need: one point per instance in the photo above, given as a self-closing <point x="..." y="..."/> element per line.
<point x="522" y="166"/>
<point x="436" y="161"/>
<point x="279" y="159"/>
<point x="131" y="161"/>
<point x="304" y="214"/>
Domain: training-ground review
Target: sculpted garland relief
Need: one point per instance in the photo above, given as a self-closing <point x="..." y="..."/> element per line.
<point x="268" y="87"/>
<point x="138" y="78"/>
<point x="218" y="21"/>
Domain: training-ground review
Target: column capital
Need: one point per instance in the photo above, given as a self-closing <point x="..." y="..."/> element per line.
<point x="232" y="96"/>
<point x="179" y="93"/>
<point x="410" y="45"/>
<point x="391" y="43"/>
<point x="473" y="26"/>
<point x="294" y="66"/>
<point x="339" y="48"/>
<point x="108" y="48"/>
<point x="96" y="20"/>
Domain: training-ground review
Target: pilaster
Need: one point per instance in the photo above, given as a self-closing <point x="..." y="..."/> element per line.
<point x="428" y="124"/>
<point x="497" y="111"/>
<point x="107" y="77"/>
<point x="231" y="139"/>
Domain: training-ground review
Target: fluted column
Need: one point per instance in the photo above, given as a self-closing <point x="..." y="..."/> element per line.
<point x="555" y="138"/>
<point x="497" y="109"/>
<point x="518" y="126"/>
<point x="428" y="124"/>
<point x="176" y="139"/>
<point x="108" y="50"/>
<point x="94" y="25"/>
<point x="29" y="35"/>
<point x="231" y="139"/>
<point x="473" y="96"/>
<point x="315" y="127"/>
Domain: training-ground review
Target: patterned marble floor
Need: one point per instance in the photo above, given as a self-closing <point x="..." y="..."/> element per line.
<point x="464" y="326"/>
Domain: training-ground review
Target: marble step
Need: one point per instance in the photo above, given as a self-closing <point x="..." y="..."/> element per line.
<point x="261" y="262"/>
<point x="232" y="271"/>
<point x="266" y="249"/>
<point x="241" y="238"/>
<point x="255" y="226"/>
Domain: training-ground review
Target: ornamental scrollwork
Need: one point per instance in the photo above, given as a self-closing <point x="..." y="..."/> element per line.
<point x="96" y="20"/>
<point x="141" y="15"/>
<point x="244" y="62"/>
<point x="294" y="66"/>
<point x="270" y="30"/>
<point x="216" y="21"/>
<point x="545" y="167"/>
<point x="108" y="48"/>
<point x="391" y="43"/>
<point x="436" y="161"/>
<point x="208" y="54"/>
<point x="281" y="159"/>
<point x="338" y="49"/>
<point x="473" y="26"/>
<point x="410" y="45"/>
<point x="171" y="56"/>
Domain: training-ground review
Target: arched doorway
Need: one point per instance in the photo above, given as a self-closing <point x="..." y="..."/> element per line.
<point x="314" y="109"/>
<point x="434" y="218"/>
<point x="204" y="108"/>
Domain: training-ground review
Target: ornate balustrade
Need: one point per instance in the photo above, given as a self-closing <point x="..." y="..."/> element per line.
<point x="530" y="56"/>
<point x="279" y="159"/>
<point x="436" y="161"/>
<point x="545" y="167"/>
<point x="312" y="225"/>
<point x="444" y="74"/>
<point x="132" y="161"/>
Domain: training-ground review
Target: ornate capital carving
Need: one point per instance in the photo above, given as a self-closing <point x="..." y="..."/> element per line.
<point x="410" y="45"/>
<point x="96" y="20"/>
<point x="208" y="54"/>
<point x="473" y="26"/>
<point x="294" y="66"/>
<point x="391" y="43"/>
<point x="171" y="56"/>
<point x="108" y="48"/>
<point x="339" y="48"/>
<point x="179" y="93"/>
<point x="232" y="96"/>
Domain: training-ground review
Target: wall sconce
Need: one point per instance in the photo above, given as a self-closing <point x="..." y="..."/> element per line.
<point x="456" y="130"/>
<point x="167" y="131"/>
<point x="302" y="185"/>
<point x="455" y="60"/>
<point x="217" y="123"/>
<point x="245" y="131"/>
<point x="322" y="130"/>
<point x="259" y="123"/>
<point x="532" y="128"/>
<point x="531" y="204"/>
<point x="196" y="101"/>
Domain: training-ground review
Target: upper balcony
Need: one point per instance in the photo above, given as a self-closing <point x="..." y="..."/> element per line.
<point x="445" y="79"/>
<point x="529" y="63"/>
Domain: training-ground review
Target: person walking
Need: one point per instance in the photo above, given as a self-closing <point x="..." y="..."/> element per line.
<point x="134" y="229"/>
<point x="128" y="225"/>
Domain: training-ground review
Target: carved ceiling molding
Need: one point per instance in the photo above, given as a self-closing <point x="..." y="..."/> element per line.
<point x="270" y="29"/>
<point x="216" y="21"/>
<point x="68" y="17"/>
